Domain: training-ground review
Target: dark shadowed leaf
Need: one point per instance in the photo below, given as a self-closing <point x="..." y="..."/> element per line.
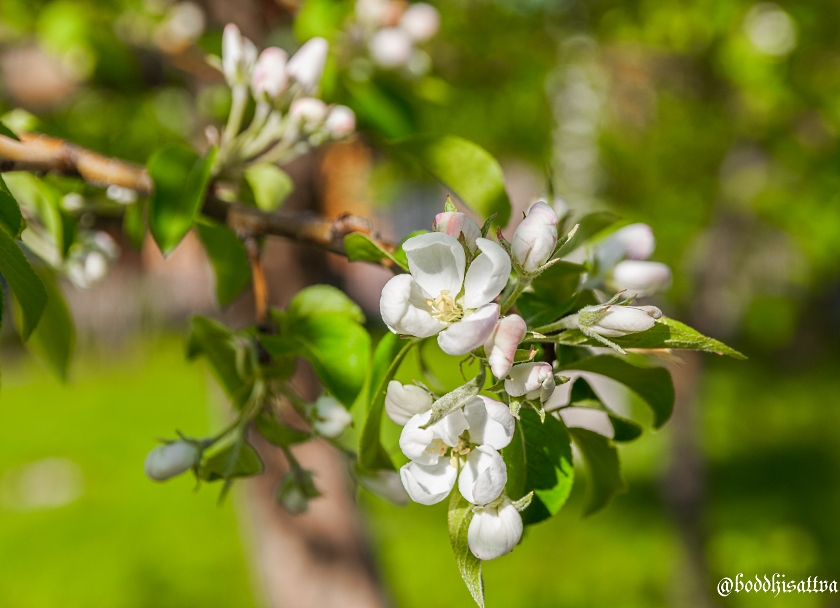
<point x="603" y="468"/>
<point x="227" y="256"/>
<point x="27" y="288"/>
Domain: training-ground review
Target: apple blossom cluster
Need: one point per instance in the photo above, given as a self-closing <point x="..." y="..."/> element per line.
<point x="621" y="262"/>
<point x="289" y="118"/>
<point x="391" y="32"/>
<point x="460" y="288"/>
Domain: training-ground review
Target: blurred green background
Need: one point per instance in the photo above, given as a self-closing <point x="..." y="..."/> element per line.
<point x="714" y="121"/>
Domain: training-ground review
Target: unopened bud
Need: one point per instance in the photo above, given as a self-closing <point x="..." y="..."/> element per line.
<point x="341" y="122"/>
<point x="295" y="491"/>
<point x="309" y="112"/>
<point x="238" y="56"/>
<point x="454" y="223"/>
<point x="391" y="47"/>
<point x="330" y="418"/>
<point x="270" y="78"/>
<point x="421" y="21"/>
<point x="500" y="347"/>
<point x="633" y="242"/>
<point x="535" y="237"/>
<point x="495" y="530"/>
<point x="640" y="278"/>
<point x="171" y="459"/>
<point x="307" y="65"/>
<point x="617" y="321"/>
<point x="531" y="380"/>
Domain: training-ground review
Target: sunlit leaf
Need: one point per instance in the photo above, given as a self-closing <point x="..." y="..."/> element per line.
<point x="460" y="516"/>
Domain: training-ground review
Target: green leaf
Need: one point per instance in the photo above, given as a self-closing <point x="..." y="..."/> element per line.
<point x="377" y="107"/>
<point x="134" y="223"/>
<point x="337" y="348"/>
<point x="320" y="18"/>
<point x="11" y="219"/>
<point x="553" y="293"/>
<point x="589" y="226"/>
<point x="238" y="459"/>
<point x="269" y="184"/>
<point x="4" y="130"/>
<point x="539" y="459"/>
<point x="181" y="178"/>
<point x="216" y="342"/>
<point x="279" y="434"/>
<point x="27" y="288"/>
<point x="44" y="201"/>
<point x="582" y="395"/>
<point x="603" y="467"/>
<point x="460" y="515"/>
<point x="467" y="169"/>
<point x="666" y="333"/>
<point x="387" y="357"/>
<point x="653" y="384"/>
<point x="54" y="338"/>
<point x="360" y="248"/>
<point x="227" y="256"/>
<point x="319" y="299"/>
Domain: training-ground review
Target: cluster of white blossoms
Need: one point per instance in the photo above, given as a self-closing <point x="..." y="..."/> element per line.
<point x="456" y="276"/>
<point x="289" y="118"/>
<point x="622" y="262"/>
<point x="392" y="30"/>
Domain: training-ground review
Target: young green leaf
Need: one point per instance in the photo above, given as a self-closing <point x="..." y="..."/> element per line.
<point x="269" y="184"/>
<point x="181" y="178"/>
<point x="603" y="467"/>
<point x="11" y="219"/>
<point x="653" y="384"/>
<point x="227" y="256"/>
<point x="279" y="434"/>
<point x="360" y="248"/>
<point x="467" y="169"/>
<point x="237" y="459"/>
<point x="4" y="130"/>
<point x="215" y="341"/>
<point x="134" y="223"/>
<point x="387" y="357"/>
<point x="44" y="201"/>
<point x="319" y="299"/>
<point x="460" y="516"/>
<point x="539" y="459"/>
<point x="27" y="288"/>
<point x="55" y="336"/>
<point x="553" y="294"/>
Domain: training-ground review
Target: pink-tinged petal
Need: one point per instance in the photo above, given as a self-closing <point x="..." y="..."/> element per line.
<point x="404" y="309"/>
<point x="428" y="484"/>
<point x="469" y="333"/>
<point x="307" y="65"/>
<point x="488" y="274"/>
<point x="437" y="262"/>
<point x="535" y="237"/>
<point x="500" y="347"/>
<point x="455" y="223"/>
<point x="270" y="76"/>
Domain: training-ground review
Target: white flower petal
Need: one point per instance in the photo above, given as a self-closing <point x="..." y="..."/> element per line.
<point x="437" y="262"/>
<point x="470" y="332"/>
<point x="531" y="380"/>
<point x="640" y="278"/>
<point x="421" y="21"/>
<point x="535" y="237"/>
<point x="633" y="242"/>
<point x="307" y="65"/>
<point x="483" y="476"/>
<point x="500" y="347"/>
<point x="428" y="484"/>
<point x="454" y="223"/>
<point x="404" y="309"/>
<point x="402" y="401"/>
<point x="494" y="531"/>
<point x="490" y="421"/>
<point x="391" y="47"/>
<point x="415" y="442"/>
<point x="330" y="418"/>
<point x="449" y="429"/>
<point x="488" y="274"/>
<point x="270" y="76"/>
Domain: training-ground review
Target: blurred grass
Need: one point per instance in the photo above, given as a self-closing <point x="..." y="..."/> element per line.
<point x="771" y="460"/>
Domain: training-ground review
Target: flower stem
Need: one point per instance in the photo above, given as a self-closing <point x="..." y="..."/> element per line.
<point x="509" y="299"/>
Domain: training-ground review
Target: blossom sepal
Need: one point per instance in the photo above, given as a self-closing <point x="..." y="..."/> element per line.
<point x="456" y="399"/>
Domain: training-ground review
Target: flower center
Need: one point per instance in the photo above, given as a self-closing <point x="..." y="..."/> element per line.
<point x="444" y="308"/>
<point x="437" y="446"/>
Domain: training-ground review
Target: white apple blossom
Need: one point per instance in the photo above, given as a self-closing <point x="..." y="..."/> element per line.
<point x="500" y="347"/>
<point x="238" y="56"/>
<point x="421" y="21"/>
<point x="455" y="223"/>
<point x="171" y="459"/>
<point x="330" y="418"/>
<point x="618" y="321"/>
<point x="391" y="47"/>
<point x="639" y="277"/>
<point x="494" y="530"/>
<point x="270" y="78"/>
<point x="438" y="299"/>
<point x="430" y="476"/>
<point x="307" y="65"/>
<point x="535" y="237"/>
<point x="533" y="380"/>
<point x="402" y="401"/>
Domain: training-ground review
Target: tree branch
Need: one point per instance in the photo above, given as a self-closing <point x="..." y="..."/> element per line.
<point x="43" y="154"/>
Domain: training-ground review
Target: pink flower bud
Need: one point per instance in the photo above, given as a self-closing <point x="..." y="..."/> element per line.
<point x="307" y="65"/>
<point x="500" y="347"/>
<point x="308" y="111"/>
<point x="391" y="47"/>
<point x="535" y="237"/>
<point x="531" y="380"/>
<point x="238" y="56"/>
<point x="341" y="122"/>
<point x="270" y="76"/>
<point x="454" y="223"/>
<point x="421" y="21"/>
